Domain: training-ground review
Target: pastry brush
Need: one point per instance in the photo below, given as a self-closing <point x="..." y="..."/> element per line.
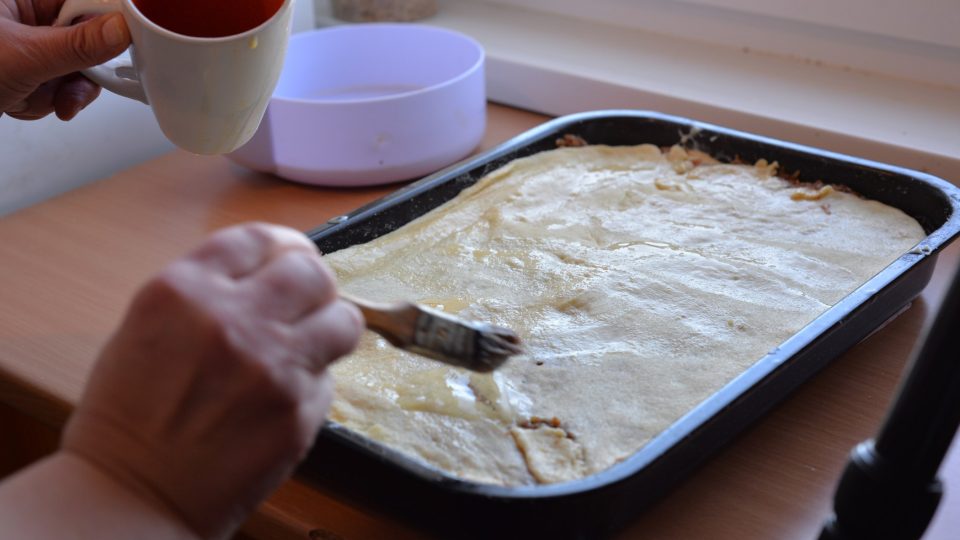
<point x="428" y="332"/>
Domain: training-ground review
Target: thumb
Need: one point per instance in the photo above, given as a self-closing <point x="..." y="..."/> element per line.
<point x="59" y="51"/>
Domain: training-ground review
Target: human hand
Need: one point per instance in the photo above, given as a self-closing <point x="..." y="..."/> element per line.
<point x="39" y="63"/>
<point x="215" y="385"/>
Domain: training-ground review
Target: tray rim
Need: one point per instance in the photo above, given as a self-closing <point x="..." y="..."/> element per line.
<point x="751" y="376"/>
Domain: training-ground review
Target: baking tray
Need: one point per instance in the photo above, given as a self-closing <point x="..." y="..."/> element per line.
<point x="357" y="468"/>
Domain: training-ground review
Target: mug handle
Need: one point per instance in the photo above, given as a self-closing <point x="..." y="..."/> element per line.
<point x="117" y="75"/>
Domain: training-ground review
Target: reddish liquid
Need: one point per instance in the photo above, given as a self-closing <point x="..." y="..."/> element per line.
<point x="208" y="18"/>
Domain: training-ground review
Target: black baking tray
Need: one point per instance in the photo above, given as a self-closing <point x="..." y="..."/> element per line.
<point x="357" y="468"/>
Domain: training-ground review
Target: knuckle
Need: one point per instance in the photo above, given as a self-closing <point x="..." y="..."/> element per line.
<point x="348" y="321"/>
<point x="279" y="285"/>
<point x="275" y="237"/>
<point x="172" y="293"/>
<point x="255" y="232"/>
<point x="159" y="292"/>
<point x="221" y="242"/>
<point x="239" y="241"/>
<point x="298" y="271"/>
<point x="83" y="43"/>
<point x="34" y="58"/>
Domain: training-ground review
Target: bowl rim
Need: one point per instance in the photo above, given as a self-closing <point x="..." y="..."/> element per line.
<point x="376" y="27"/>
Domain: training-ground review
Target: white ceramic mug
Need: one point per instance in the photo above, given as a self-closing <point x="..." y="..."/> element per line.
<point x="208" y="94"/>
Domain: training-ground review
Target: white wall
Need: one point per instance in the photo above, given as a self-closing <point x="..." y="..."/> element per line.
<point x="44" y="158"/>
<point x="915" y="40"/>
<point x="47" y="157"/>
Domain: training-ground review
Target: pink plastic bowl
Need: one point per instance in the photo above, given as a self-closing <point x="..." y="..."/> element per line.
<point x="370" y="104"/>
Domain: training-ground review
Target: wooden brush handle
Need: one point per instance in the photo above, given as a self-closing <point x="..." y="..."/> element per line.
<point x="395" y="322"/>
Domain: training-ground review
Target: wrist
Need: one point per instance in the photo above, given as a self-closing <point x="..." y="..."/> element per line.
<point x="156" y="519"/>
<point x="66" y="493"/>
<point x="102" y="446"/>
<point x="152" y="471"/>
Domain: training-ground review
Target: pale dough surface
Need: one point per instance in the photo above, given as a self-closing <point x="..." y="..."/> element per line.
<point x="640" y="283"/>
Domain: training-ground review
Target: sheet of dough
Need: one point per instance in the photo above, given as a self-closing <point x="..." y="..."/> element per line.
<point x="639" y="282"/>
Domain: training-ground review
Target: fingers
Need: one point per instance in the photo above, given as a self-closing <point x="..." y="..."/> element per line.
<point x="275" y="274"/>
<point x="66" y="96"/>
<point x="242" y="249"/>
<point x="40" y="64"/>
<point x="54" y="52"/>
<point x="329" y="333"/>
<point x="291" y="284"/>
<point x="73" y="95"/>
<point x="270" y="283"/>
<point x="37" y="105"/>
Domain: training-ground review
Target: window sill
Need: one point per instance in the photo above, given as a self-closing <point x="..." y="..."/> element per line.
<point x="559" y="65"/>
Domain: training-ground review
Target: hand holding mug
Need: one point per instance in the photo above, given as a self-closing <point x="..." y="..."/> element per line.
<point x="39" y="64"/>
<point x="207" y="68"/>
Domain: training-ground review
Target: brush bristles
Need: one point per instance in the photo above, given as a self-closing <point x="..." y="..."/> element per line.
<point x="495" y="344"/>
<point x="475" y="346"/>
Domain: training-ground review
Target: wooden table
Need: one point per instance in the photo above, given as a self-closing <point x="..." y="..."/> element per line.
<point x="70" y="265"/>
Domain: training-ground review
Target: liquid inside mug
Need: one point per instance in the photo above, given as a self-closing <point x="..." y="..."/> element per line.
<point x="207" y="68"/>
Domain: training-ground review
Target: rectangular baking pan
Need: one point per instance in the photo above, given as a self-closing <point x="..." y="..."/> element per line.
<point x="362" y="470"/>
